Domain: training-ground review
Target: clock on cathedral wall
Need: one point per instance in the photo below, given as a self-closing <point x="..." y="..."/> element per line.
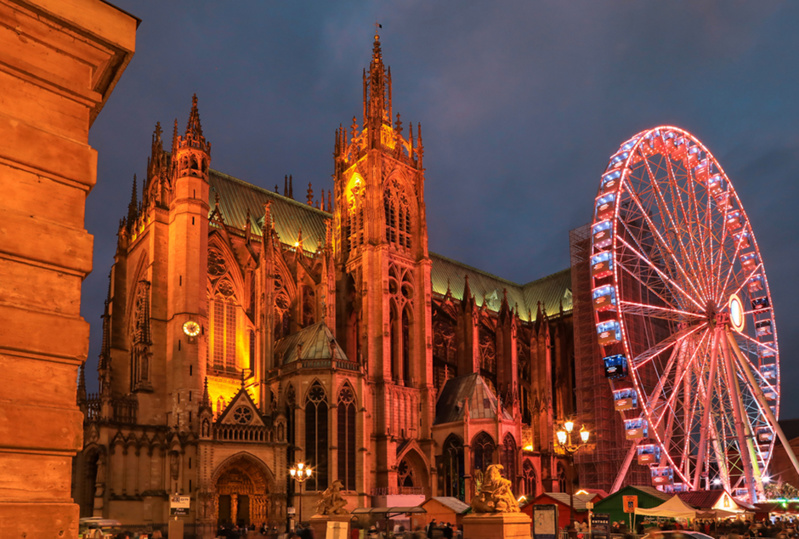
<point x="191" y="328"/>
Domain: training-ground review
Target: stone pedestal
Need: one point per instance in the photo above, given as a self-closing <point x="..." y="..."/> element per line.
<point x="497" y="526"/>
<point x="175" y="530"/>
<point x="331" y="526"/>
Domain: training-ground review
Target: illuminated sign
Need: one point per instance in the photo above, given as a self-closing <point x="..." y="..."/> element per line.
<point x="737" y="319"/>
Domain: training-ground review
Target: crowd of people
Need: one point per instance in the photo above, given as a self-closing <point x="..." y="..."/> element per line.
<point x="778" y="528"/>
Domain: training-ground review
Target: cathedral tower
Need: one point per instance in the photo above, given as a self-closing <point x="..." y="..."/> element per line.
<point x="384" y="292"/>
<point x="187" y="317"/>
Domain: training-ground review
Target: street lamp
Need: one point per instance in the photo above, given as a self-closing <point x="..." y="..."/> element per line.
<point x="300" y="473"/>
<point x="567" y="446"/>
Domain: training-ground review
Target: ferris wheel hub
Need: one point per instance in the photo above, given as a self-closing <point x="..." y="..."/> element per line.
<point x="736" y="310"/>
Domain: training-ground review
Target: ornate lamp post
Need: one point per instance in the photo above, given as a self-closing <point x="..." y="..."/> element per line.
<point x="300" y="473"/>
<point x="570" y="448"/>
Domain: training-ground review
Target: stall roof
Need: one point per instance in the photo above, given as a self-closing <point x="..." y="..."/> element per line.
<point x="387" y="510"/>
<point x="450" y="502"/>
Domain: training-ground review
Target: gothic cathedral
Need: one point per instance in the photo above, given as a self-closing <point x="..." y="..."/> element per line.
<point x="245" y="331"/>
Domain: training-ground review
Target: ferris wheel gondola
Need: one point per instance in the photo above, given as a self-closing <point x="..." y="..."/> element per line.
<point x="684" y="316"/>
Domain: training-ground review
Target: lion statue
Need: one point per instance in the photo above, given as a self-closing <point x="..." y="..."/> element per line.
<point x="332" y="503"/>
<point x="493" y="492"/>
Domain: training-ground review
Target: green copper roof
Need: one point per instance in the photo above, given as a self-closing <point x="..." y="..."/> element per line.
<point x="552" y="291"/>
<point x="288" y="215"/>
<point x="236" y="197"/>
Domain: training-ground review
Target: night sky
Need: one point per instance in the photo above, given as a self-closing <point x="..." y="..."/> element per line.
<point x="521" y="104"/>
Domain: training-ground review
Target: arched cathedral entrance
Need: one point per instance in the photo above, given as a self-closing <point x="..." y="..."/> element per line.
<point x="241" y="489"/>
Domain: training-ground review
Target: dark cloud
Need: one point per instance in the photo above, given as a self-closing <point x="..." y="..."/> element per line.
<point x="521" y="104"/>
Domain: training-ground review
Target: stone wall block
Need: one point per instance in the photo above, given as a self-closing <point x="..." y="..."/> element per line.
<point x="42" y="383"/>
<point x="45" y="334"/>
<point x="41" y="477"/>
<point x="29" y="520"/>
<point x="39" y="288"/>
<point x="55" y="429"/>
<point x="46" y="152"/>
<point x="64" y="204"/>
<point x="55" y="245"/>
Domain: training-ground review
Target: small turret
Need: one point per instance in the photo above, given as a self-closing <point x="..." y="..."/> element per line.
<point x="191" y="152"/>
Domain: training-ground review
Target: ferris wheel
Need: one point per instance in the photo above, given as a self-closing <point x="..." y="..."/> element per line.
<point x="684" y="317"/>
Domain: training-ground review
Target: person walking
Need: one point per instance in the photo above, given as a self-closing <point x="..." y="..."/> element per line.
<point x="431" y="528"/>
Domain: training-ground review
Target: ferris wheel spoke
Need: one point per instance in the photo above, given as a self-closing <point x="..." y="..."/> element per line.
<point x="730" y="268"/>
<point x="703" y="214"/>
<point x="682" y="374"/>
<point x="669" y="342"/>
<point x="671" y="223"/>
<point x="652" y="289"/>
<point x="664" y="244"/>
<point x="753" y="345"/>
<point x="653" y="400"/>
<point x="691" y="258"/>
<point x="673" y="286"/>
<point x="731" y="271"/>
<point x="639" y="309"/>
<point x="746" y="279"/>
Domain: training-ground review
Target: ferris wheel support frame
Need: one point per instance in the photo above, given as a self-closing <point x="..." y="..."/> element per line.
<point x="705" y="416"/>
<point x="761" y="400"/>
<point x="754" y="481"/>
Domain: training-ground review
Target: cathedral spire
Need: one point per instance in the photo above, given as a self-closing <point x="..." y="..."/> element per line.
<point x="133" y="206"/>
<point x="193" y="128"/>
<point x="206" y="402"/>
<point x="105" y="349"/>
<point x="157" y="149"/>
<point x="377" y="90"/>
<point x="174" y="138"/>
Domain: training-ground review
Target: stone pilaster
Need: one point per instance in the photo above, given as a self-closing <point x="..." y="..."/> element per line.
<point x="59" y="62"/>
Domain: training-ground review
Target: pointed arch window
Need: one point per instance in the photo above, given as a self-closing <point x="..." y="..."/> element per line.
<point x="354" y="218"/>
<point x="452" y="457"/>
<point x="282" y="314"/>
<point x="397" y="215"/>
<point x="508" y="459"/>
<point x="561" y="478"/>
<point x="400" y="287"/>
<point x="405" y="476"/>
<point x="308" y="306"/>
<point x="316" y="436"/>
<point x="529" y="481"/>
<point x="488" y="355"/>
<point x="291" y="431"/>
<point x="346" y="438"/>
<point x="141" y="340"/>
<point x="445" y="365"/>
<point x="224" y="311"/>
<point x="482" y="451"/>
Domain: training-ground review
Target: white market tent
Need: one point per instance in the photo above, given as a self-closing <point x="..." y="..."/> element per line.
<point x="674" y="507"/>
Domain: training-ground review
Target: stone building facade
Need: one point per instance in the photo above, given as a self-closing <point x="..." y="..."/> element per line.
<point x="59" y="62"/>
<point x="246" y="331"/>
